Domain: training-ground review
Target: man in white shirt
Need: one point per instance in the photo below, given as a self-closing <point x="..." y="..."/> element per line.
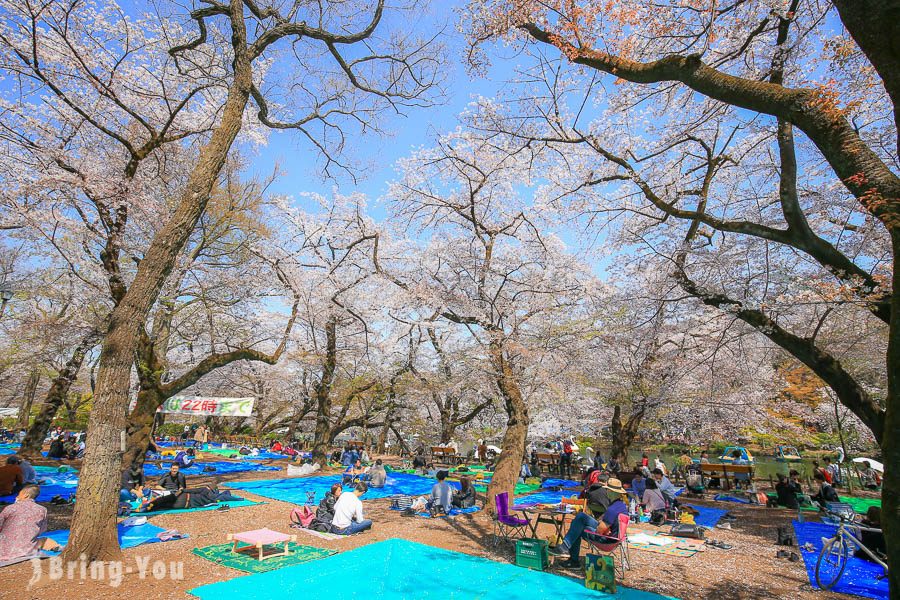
<point x="348" y="512"/>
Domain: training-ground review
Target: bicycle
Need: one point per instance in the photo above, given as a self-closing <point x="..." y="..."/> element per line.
<point x="838" y="549"/>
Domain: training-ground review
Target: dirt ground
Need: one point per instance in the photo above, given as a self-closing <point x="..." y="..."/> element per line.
<point x="749" y="570"/>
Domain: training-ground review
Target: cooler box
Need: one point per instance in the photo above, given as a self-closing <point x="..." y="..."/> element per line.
<point x="532" y="554"/>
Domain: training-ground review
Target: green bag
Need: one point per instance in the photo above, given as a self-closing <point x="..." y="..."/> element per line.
<point x="600" y="573"/>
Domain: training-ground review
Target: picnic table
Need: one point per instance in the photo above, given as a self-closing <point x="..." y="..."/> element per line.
<point x="259" y="539"/>
<point x="556" y="516"/>
<point x="728" y="473"/>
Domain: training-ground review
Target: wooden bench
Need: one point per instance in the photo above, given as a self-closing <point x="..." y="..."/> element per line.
<point x="727" y="473"/>
<point x="548" y="461"/>
<point x="445" y="455"/>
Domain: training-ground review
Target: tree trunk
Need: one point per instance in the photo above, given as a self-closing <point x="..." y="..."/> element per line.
<point x="890" y="442"/>
<point x="28" y="399"/>
<point x="623" y="434"/>
<point x="56" y="395"/>
<point x="506" y="472"/>
<point x="139" y="431"/>
<point x="323" y="434"/>
<point x="94" y="532"/>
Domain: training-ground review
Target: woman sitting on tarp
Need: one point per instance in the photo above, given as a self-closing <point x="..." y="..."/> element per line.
<point x="787" y="490"/>
<point x="325" y="512"/>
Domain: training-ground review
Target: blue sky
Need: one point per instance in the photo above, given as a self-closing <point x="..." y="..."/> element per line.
<point x="297" y="158"/>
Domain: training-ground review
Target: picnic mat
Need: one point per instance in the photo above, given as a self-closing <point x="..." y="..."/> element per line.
<point x="521" y="488"/>
<point x="675" y="546"/>
<point x="861" y="505"/>
<point x="708" y="517"/>
<point x="222" y="554"/>
<point x="549" y="482"/>
<point x="325" y="535"/>
<point x="294" y="489"/>
<point x="399" y="569"/>
<point x="129" y="537"/>
<point x="56" y="483"/>
<point x="860" y="575"/>
<point x="230" y="503"/>
<point x="220" y="466"/>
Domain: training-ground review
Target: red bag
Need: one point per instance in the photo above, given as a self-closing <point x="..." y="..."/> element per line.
<point x="302" y="517"/>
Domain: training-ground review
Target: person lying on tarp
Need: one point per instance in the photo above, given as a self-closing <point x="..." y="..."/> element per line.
<point x="21" y="525"/>
<point x="186" y="498"/>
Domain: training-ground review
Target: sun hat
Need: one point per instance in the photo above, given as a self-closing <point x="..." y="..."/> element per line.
<point x="614" y="485"/>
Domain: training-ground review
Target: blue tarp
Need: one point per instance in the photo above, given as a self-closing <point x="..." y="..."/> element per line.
<point x="129" y="537"/>
<point x="545" y="497"/>
<point x="221" y="466"/>
<point x="860" y="576"/>
<point x="400" y="569"/>
<point x="55" y="483"/>
<point x="295" y="489"/>
<point x="708" y="517"/>
<point x="549" y="482"/>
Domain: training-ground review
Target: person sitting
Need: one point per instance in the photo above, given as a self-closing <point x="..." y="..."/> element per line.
<point x="873" y="540"/>
<point x="638" y="484"/>
<point x="21" y="525"/>
<point x="787" y="491"/>
<point x="377" y="474"/>
<point x="364" y="457"/>
<point x="597" y="499"/>
<point x="11" y="477"/>
<point x="29" y="475"/>
<point x="70" y="447"/>
<point x="653" y="500"/>
<point x="704" y="458"/>
<point x="869" y="477"/>
<point x="826" y="493"/>
<point x="442" y="493"/>
<point x="613" y="466"/>
<point x="325" y="511"/>
<point x="276" y="446"/>
<point x="348" y="512"/>
<point x="740" y="479"/>
<point x="185" y="458"/>
<point x="186" y="498"/>
<point x="132" y="486"/>
<point x="57" y="451"/>
<point x="665" y="486"/>
<point x="465" y="496"/>
<point x="173" y="481"/>
<point x="419" y="461"/>
<point x="607" y="526"/>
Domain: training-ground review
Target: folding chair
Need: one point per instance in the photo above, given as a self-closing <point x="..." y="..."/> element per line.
<point x="508" y="526"/>
<point x="602" y="544"/>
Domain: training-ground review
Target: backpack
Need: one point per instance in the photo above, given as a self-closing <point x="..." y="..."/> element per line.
<point x="302" y="517"/>
<point x="567" y="447"/>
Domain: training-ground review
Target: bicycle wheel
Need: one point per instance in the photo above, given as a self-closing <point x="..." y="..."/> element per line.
<point x="832" y="562"/>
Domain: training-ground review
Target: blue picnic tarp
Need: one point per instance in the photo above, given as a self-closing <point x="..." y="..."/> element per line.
<point x="860" y="578"/>
<point x="53" y="482"/>
<point x="220" y="466"/>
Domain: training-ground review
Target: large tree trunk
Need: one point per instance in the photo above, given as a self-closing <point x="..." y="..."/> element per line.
<point x="139" y="430"/>
<point x="94" y="533"/>
<point x="28" y="399"/>
<point x="506" y="472"/>
<point x="323" y="434"/>
<point x="56" y="395"/>
<point x="890" y="442"/>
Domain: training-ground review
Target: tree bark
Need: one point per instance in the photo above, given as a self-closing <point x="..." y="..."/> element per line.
<point x="623" y="434"/>
<point x="506" y="472"/>
<point x="94" y="532"/>
<point x="890" y="442"/>
<point x="322" y="392"/>
<point x="28" y="399"/>
<point x="56" y="395"/>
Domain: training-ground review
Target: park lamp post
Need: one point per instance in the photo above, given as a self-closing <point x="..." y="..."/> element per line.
<point x="6" y="294"/>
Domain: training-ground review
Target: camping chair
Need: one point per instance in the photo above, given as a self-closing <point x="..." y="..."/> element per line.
<point x="602" y="544"/>
<point x="508" y="526"/>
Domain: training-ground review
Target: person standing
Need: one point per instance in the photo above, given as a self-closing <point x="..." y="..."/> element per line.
<point x="565" y="458"/>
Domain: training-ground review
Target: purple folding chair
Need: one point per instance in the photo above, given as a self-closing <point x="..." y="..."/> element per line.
<point x="508" y="526"/>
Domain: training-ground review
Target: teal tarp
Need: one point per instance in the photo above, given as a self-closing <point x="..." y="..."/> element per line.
<point x="399" y="569"/>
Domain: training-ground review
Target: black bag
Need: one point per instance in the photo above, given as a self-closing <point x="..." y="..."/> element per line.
<point x="658" y="517"/>
<point x="686" y="530"/>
